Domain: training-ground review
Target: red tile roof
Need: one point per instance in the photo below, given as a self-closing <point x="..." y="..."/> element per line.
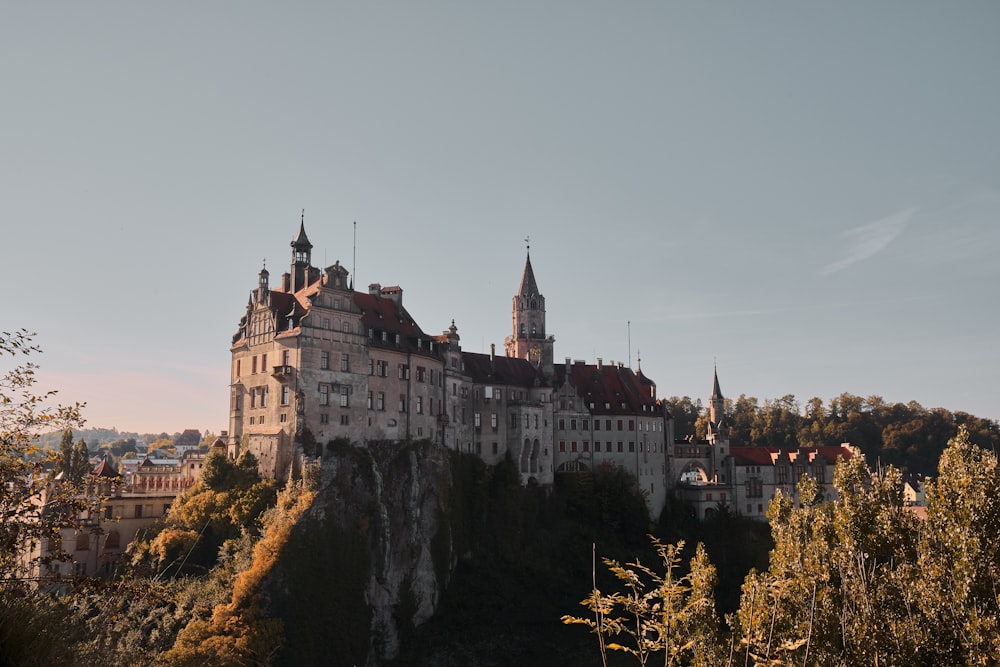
<point x="768" y="456"/>
<point x="611" y="389"/>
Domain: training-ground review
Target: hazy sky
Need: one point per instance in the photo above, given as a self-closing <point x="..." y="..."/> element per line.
<point x="808" y="193"/>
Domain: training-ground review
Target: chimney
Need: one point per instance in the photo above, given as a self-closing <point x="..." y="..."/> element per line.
<point x="375" y="289"/>
<point x="286" y="282"/>
<point x="600" y="363"/>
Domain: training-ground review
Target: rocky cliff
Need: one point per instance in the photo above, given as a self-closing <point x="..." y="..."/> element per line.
<point x="371" y="557"/>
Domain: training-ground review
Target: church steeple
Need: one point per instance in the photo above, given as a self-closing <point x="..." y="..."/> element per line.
<point x="716" y="403"/>
<point x="301" y="256"/>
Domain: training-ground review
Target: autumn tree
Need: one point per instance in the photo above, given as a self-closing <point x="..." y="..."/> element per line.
<point x="24" y="414"/>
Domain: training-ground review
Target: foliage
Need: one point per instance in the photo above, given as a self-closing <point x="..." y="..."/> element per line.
<point x="669" y="614"/>
<point x="27" y="502"/>
<point x="863" y="581"/>
<point x="239" y="632"/>
<point x="227" y="500"/>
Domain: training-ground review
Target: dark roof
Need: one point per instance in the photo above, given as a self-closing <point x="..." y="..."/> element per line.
<point x="301" y="240"/>
<point x="190" y="437"/>
<point x="528" y="286"/>
<point x="509" y="371"/>
<point x="105" y="469"/>
<point x="611" y="389"/>
<point x="716" y="391"/>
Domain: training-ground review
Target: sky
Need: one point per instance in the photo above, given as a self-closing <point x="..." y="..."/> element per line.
<point x="805" y="194"/>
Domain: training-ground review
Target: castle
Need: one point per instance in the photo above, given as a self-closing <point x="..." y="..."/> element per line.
<point x="314" y="361"/>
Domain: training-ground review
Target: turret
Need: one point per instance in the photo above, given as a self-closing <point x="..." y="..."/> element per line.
<point x="301" y="257"/>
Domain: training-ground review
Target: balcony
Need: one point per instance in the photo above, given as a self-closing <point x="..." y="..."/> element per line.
<point x="283" y="373"/>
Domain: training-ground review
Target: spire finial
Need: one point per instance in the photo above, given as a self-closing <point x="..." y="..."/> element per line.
<point x="303" y="218"/>
<point x="527" y="243"/>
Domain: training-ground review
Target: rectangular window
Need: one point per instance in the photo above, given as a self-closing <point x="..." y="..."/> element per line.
<point x="573" y="446"/>
<point x="284" y="394"/>
<point x="324" y="360"/>
<point x="572" y="424"/>
<point x="404" y="372"/>
<point x="326" y="323"/>
<point x="631" y="446"/>
<point x="263" y="397"/>
<point x="283" y="417"/>
<point x="286" y="356"/>
<point x="324" y="418"/>
<point x="562" y="424"/>
<point x="324" y="394"/>
<point x="620" y="425"/>
<point x="254" y="364"/>
<point x="380" y="401"/>
<point x="421" y="374"/>
<point x="344" y="393"/>
<point x="345" y="326"/>
<point x="597" y="424"/>
<point x="493" y="421"/>
<point x="263" y="363"/>
<point x="253" y="397"/>
<point x="138" y="511"/>
<point x="420" y="405"/>
<point x="631" y="424"/>
<point x="369" y="400"/>
<point x="430" y="406"/>
<point x="619" y="445"/>
<point x="345" y="362"/>
<point x="513" y="421"/>
<point x="345" y="420"/>
<point x="562" y="445"/>
<point x="607" y="424"/>
<point x="586" y="424"/>
<point x="597" y="445"/>
<point x="477" y="420"/>
<point x="238" y="367"/>
<point x="402" y="402"/>
<point x="382" y="368"/>
<point x="586" y="445"/>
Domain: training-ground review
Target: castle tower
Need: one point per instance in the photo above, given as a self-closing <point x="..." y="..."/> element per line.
<point x="528" y="339"/>
<point x="301" y="257"/>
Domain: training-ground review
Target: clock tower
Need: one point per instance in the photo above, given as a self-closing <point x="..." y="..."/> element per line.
<point x="528" y="339"/>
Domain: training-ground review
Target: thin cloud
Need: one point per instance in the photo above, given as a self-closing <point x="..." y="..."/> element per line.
<point x="868" y="240"/>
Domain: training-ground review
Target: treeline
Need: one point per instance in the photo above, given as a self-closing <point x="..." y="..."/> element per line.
<point x="905" y="435"/>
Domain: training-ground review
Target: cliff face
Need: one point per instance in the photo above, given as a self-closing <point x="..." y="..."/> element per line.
<point x="369" y="560"/>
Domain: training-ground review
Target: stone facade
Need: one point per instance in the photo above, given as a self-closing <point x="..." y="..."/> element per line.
<point x="314" y="360"/>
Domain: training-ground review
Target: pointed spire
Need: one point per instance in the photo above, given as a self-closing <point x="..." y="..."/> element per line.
<point x="301" y="240"/>
<point x="528" y="285"/>
<point x="716" y="391"/>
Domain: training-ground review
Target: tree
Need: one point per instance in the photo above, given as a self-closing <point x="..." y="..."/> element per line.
<point x="66" y="451"/>
<point x="24" y="414"/>
<point x="79" y="463"/>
